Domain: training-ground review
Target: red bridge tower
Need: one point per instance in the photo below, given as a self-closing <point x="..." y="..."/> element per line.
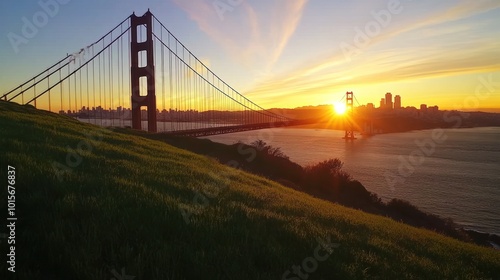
<point x="137" y="71"/>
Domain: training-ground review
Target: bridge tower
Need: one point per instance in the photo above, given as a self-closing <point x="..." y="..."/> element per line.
<point x="349" y="126"/>
<point x="148" y="99"/>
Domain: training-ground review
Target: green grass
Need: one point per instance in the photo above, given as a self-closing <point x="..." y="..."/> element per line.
<point x="120" y="207"/>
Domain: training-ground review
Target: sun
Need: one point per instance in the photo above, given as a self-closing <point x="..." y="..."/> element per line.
<point x="339" y="108"/>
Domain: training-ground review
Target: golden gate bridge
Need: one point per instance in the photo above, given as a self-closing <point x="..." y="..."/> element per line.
<point x="140" y="75"/>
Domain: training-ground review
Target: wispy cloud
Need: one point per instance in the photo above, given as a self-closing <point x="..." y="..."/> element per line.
<point x="251" y="34"/>
<point x="431" y="56"/>
<point x="465" y="9"/>
<point x="380" y="70"/>
<point x="282" y="31"/>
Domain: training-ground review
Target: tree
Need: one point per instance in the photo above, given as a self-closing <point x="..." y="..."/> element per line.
<point x="268" y="149"/>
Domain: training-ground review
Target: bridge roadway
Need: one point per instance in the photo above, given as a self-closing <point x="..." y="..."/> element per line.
<point x="235" y="128"/>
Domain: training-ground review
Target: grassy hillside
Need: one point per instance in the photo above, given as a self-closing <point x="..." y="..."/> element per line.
<point x="90" y="202"/>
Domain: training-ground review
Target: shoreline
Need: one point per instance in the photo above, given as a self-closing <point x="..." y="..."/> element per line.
<point x="491" y="239"/>
<point x="224" y="152"/>
<point x="317" y="126"/>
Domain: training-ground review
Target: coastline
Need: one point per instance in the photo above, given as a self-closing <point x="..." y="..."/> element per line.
<point x="322" y="126"/>
<point x="224" y="152"/>
<point x="487" y="239"/>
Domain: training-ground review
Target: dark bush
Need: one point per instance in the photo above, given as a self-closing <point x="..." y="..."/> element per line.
<point x="327" y="180"/>
<point x="268" y="150"/>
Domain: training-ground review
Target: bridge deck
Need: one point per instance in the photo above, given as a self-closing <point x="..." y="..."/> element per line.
<point x="232" y="129"/>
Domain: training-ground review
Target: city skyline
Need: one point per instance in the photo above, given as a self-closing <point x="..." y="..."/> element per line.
<point x="313" y="53"/>
<point x="397" y="101"/>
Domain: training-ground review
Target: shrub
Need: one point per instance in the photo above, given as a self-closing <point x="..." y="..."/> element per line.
<point x="269" y="150"/>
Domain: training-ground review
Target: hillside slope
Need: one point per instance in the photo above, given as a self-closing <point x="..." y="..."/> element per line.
<point x="94" y="204"/>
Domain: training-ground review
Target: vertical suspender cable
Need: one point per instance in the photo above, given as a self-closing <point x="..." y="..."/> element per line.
<point x="87" y="91"/>
<point x="61" y="90"/>
<point x="81" y="94"/>
<point x="48" y="85"/>
<point x="129" y="95"/>
<point x="76" y="98"/>
<point x="111" y="80"/>
<point x="69" y="88"/>
<point x="177" y="90"/>
<point x="120" y="77"/>
<point x="94" y="112"/>
<point x="171" y="86"/>
<point x="100" y="91"/>
<point x="104" y="78"/>
<point x="34" y="91"/>
<point x="163" y="79"/>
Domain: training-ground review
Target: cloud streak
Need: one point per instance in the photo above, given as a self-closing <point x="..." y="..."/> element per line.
<point x="423" y="60"/>
<point x="251" y="35"/>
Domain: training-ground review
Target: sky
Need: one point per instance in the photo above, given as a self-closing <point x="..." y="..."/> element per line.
<point x="291" y="53"/>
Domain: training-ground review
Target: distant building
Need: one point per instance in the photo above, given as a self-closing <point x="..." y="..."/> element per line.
<point x="370" y="106"/>
<point x="388" y="101"/>
<point x="433" y="109"/>
<point x="382" y="103"/>
<point x="423" y="107"/>
<point x="397" y="102"/>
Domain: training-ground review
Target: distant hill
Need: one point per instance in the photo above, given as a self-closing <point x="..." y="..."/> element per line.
<point x="95" y="204"/>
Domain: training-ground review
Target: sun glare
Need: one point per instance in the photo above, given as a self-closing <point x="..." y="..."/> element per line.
<point x="339" y="108"/>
